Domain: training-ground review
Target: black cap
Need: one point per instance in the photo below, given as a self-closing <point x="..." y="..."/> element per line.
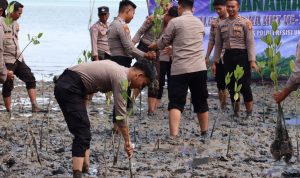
<point x="103" y="10"/>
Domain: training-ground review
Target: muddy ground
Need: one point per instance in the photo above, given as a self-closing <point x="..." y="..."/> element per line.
<point x="249" y="151"/>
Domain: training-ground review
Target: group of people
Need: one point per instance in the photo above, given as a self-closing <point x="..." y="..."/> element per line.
<point x="178" y="54"/>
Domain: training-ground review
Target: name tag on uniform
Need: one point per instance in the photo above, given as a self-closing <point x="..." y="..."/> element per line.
<point x="237" y="28"/>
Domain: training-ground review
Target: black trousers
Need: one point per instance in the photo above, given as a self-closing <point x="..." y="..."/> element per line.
<point x="235" y="57"/>
<point x="220" y="76"/>
<point x="179" y="85"/>
<point x="126" y="62"/>
<point x="70" y="94"/>
<point x="23" y="72"/>
<point x="165" y="70"/>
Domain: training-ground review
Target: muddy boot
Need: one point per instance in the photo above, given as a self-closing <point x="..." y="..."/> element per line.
<point x="77" y="174"/>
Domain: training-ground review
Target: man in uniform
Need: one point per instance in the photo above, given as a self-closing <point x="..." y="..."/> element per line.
<point x="145" y="37"/>
<point x="293" y="82"/>
<point x="100" y="49"/>
<point x="188" y="70"/>
<point x="76" y="82"/>
<point x="119" y="40"/>
<point x="4" y="73"/>
<point x="14" y="60"/>
<point x="234" y="35"/>
<point x="220" y="8"/>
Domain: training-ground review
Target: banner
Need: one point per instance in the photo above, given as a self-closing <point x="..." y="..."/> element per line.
<point x="261" y="13"/>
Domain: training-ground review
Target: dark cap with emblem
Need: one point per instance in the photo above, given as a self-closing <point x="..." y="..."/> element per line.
<point x="103" y="10"/>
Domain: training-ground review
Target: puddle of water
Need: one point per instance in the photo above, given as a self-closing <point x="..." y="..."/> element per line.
<point x="292" y="119"/>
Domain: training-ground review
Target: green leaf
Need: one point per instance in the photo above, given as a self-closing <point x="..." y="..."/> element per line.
<point x="11" y="8"/>
<point x="228" y="78"/>
<point x="8" y="20"/>
<point x="269" y="39"/>
<point x="119" y="118"/>
<point x="236" y="96"/>
<point x="235" y="86"/>
<point x="124" y="85"/>
<point x="269" y="53"/>
<point x="239" y="88"/>
<point x="274" y="26"/>
<point x="292" y="65"/>
<point x="79" y="61"/>
<point x="277" y="40"/>
<point x="276" y="58"/>
<point x="84" y="52"/>
<point x="273" y="76"/>
<point x="40" y="35"/>
<point x="264" y="39"/>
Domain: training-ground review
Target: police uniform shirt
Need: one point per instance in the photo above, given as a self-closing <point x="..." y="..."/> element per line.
<point x="185" y="34"/>
<point x="213" y="31"/>
<point x="104" y="76"/>
<point x="119" y="40"/>
<point x="11" y="45"/>
<point x="234" y="34"/>
<point x="294" y="80"/>
<point x="145" y="33"/>
<point x="99" y="38"/>
<point x="3" y="70"/>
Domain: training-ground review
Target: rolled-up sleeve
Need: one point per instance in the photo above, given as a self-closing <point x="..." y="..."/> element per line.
<point x="146" y="25"/>
<point x="294" y="80"/>
<point x="218" y="45"/>
<point x="94" y="37"/>
<point x="167" y="36"/>
<point x="3" y="70"/>
<point x="119" y="101"/>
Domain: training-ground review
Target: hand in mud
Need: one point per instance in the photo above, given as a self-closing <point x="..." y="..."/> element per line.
<point x="150" y="55"/>
<point x="129" y="150"/>
<point x="10" y="75"/>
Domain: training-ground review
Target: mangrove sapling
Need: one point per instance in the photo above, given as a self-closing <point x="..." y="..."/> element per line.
<point x="47" y="116"/>
<point x="282" y="145"/>
<point x="87" y="56"/>
<point x="238" y="74"/>
<point x="262" y="65"/>
<point x="124" y="86"/>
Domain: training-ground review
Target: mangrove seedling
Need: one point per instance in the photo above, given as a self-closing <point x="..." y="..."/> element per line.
<point x="282" y="145"/>
<point x="238" y="74"/>
<point x="86" y="57"/>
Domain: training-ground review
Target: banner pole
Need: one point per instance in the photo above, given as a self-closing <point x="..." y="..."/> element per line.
<point x="147" y="1"/>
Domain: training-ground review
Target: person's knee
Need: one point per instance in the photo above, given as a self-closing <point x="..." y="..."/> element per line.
<point x="180" y="107"/>
<point x="80" y="145"/>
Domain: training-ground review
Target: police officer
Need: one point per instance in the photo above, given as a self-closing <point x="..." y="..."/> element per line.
<point x="14" y="60"/>
<point x="220" y="8"/>
<point x="100" y="49"/>
<point x="4" y="73"/>
<point x="119" y="40"/>
<point x="76" y="82"/>
<point x="188" y="69"/>
<point x="234" y="35"/>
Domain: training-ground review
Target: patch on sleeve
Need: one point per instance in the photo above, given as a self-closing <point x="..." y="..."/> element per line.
<point x="126" y="28"/>
<point x="249" y="24"/>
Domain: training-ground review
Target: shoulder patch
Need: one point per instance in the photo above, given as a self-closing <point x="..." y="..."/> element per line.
<point x="126" y="28"/>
